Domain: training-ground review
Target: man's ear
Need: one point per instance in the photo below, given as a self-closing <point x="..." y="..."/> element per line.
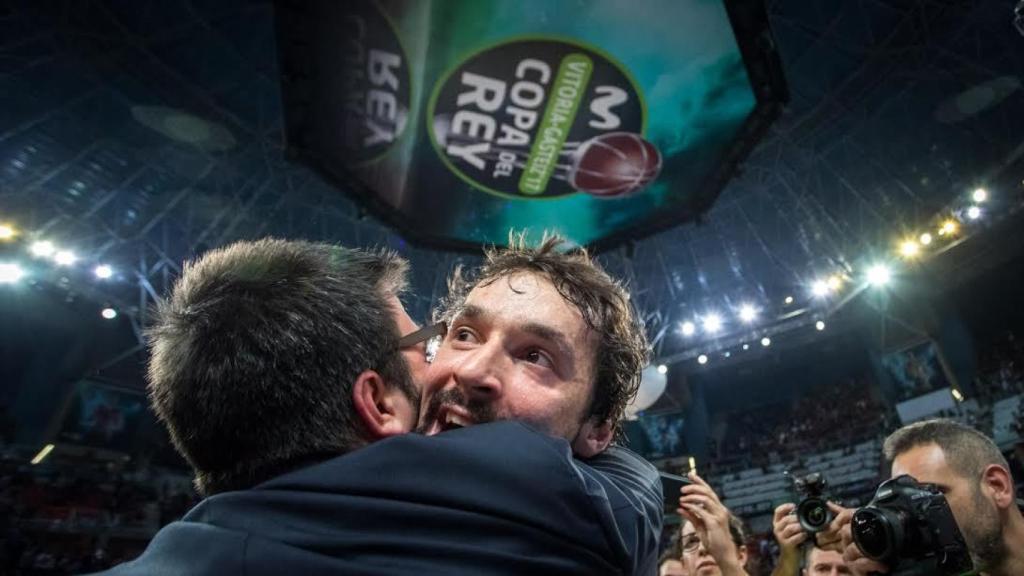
<point x="996" y="481"/>
<point x="383" y="410"/>
<point x="741" y="551"/>
<point x="593" y="438"/>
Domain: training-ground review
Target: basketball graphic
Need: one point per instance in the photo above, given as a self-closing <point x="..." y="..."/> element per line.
<point x="614" y="164"/>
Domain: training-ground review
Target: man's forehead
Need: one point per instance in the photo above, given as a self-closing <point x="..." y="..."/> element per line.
<point x="818" y="556"/>
<point x="503" y="298"/>
<point x="925" y="462"/>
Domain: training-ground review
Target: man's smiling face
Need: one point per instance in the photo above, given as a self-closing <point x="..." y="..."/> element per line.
<point x="515" y="350"/>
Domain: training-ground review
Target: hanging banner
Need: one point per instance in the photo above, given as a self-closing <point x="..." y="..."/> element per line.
<point x="457" y="121"/>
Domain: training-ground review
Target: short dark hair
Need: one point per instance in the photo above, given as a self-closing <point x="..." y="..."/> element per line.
<point x="604" y="303"/>
<point x="967" y="451"/>
<point x="254" y="353"/>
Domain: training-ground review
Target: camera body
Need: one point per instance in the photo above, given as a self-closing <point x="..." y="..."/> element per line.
<point x="812" y="511"/>
<point x="909" y="527"/>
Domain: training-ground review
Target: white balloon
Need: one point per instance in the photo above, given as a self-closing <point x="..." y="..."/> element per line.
<point x="652" y="386"/>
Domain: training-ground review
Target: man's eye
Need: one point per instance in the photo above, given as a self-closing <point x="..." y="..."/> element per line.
<point x="537" y="357"/>
<point x="463" y="335"/>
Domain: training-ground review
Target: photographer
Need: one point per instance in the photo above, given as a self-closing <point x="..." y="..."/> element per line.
<point x="712" y="539"/>
<point x="975" y="479"/>
<point x="791" y="536"/>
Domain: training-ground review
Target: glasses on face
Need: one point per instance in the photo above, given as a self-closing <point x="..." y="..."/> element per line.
<point x="431" y="334"/>
<point x="690" y="543"/>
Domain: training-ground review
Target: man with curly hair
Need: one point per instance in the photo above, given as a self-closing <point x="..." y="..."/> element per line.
<point x="545" y="337"/>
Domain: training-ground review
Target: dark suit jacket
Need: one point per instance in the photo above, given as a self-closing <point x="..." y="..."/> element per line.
<point x="495" y="498"/>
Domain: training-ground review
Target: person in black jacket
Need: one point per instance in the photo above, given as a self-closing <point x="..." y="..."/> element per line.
<point x="281" y="371"/>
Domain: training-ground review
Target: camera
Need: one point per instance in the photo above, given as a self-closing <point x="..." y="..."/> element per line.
<point x="909" y="527"/>
<point x="812" y="511"/>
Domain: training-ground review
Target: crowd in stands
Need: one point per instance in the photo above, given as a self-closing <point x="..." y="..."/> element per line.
<point x="77" y="515"/>
<point x="838" y="415"/>
<point x="1001" y="369"/>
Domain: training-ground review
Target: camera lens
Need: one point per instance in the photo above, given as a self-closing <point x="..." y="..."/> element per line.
<point x="874" y="534"/>
<point x="814" y="514"/>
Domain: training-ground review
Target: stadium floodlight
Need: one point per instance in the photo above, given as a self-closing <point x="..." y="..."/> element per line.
<point x="65" y="257"/>
<point x="788" y="300"/>
<point x="7" y="232"/>
<point x="958" y="395"/>
<point x="103" y="271"/>
<point x="42" y="248"/>
<point x="108" y="313"/>
<point x="746" y="346"/>
<point x="766" y="341"/>
<point x="835" y="282"/>
<point x="662" y="369"/>
<point x="712" y="323"/>
<point x="948" y="228"/>
<point x="925" y="239"/>
<point x="879" y="275"/>
<point x="688" y="328"/>
<point x="979" y="195"/>
<point x="819" y="288"/>
<point x="10" y="273"/>
<point x="974" y="212"/>
<point x="702" y="359"/>
<point x="910" y="248"/>
<point x="819" y="325"/>
<point x="748" y="313"/>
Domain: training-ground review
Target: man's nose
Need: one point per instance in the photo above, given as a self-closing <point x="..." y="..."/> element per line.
<point x="478" y="373"/>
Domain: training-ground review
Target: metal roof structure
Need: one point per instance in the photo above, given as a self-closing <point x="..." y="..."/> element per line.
<point x="142" y="133"/>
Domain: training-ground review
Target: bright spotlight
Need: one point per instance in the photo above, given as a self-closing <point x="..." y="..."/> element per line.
<point x="43" y="248"/>
<point x="748" y="313"/>
<point x="835" y="282"/>
<point x="974" y="212"/>
<point x="662" y="369"/>
<point x="948" y="228"/>
<point x="746" y="346"/>
<point x="788" y="300"/>
<point x="910" y="248"/>
<point x="819" y="288"/>
<point x="819" y="325"/>
<point x="65" y="257"/>
<point x="766" y="341"/>
<point x="879" y="275"/>
<point x="7" y="232"/>
<point x="110" y="314"/>
<point x="103" y="271"/>
<point x="10" y="273"/>
<point x="958" y="395"/>
<point x="979" y="195"/>
<point x="688" y="328"/>
<point x="702" y="359"/>
<point x="712" y="323"/>
<point x="925" y="239"/>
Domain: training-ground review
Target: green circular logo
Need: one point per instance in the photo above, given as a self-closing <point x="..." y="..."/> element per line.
<point x="542" y="118"/>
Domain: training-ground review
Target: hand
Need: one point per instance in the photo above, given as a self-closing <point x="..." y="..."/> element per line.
<point x="788" y="532"/>
<point x="858" y="564"/>
<point x="831" y="537"/>
<point x="710" y="518"/>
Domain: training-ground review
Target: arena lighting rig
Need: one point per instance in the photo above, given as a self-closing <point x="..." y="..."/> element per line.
<point x="751" y="318"/>
<point x="834" y="286"/>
